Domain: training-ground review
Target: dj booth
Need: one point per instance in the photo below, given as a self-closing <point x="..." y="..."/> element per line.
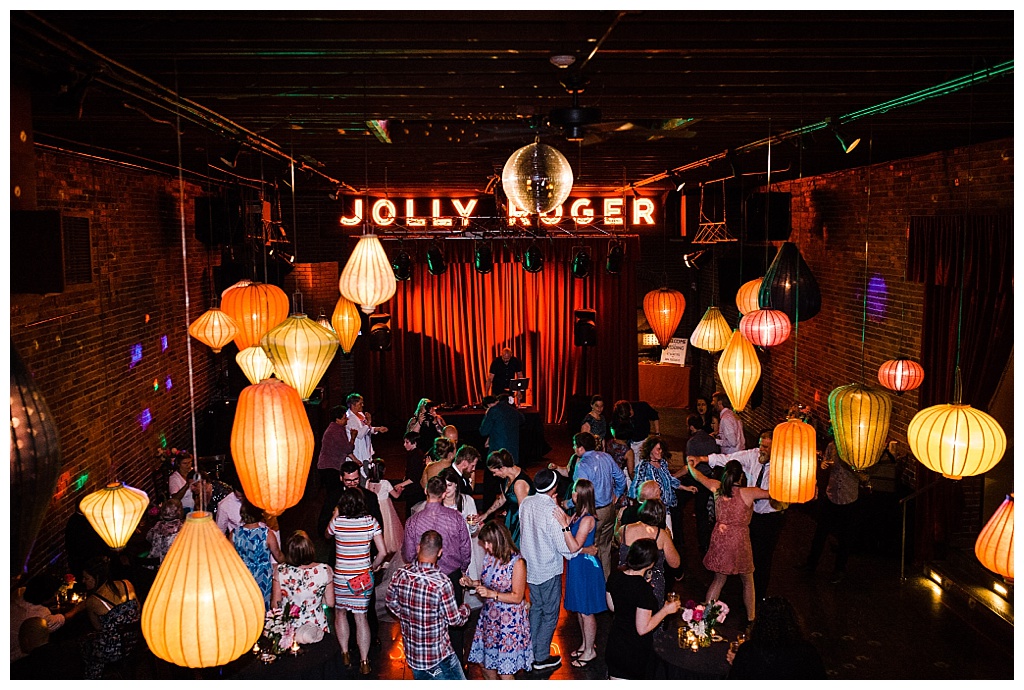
<point x="532" y="445"/>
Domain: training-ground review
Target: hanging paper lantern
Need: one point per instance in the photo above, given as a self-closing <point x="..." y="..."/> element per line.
<point x="739" y="369"/>
<point x="245" y="282"/>
<point x="712" y="332"/>
<point x="214" y="329"/>
<point x="956" y="440"/>
<point x="346" y="324"/>
<point x="765" y="327"/>
<point x="994" y="547"/>
<point x="794" y="462"/>
<point x="35" y="461"/>
<point x="301" y="350"/>
<point x="537" y="178"/>
<point x="901" y="374"/>
<point x="324" y="321"/>
<point x="255" y="364"/>
<point x="204" y="608"/>
<point x="664" y="309"/>
<point x="255" y="308"/>
<point x="272" y="445"/>
<point x="746" y="297"/>
<point x="860" y="419"/>
<point x="368" y="279"/>
<point x="114" y="512"/>
<point x="788" y="276"/>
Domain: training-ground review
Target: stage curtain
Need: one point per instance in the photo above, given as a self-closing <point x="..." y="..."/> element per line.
<point x="942" y="250"/>
<point x="447" y="329"/>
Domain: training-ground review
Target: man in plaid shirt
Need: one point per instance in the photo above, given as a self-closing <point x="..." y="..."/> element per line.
<point x="423" y="600"/>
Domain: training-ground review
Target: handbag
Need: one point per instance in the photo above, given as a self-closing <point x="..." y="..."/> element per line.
<point x="361" y="584"/>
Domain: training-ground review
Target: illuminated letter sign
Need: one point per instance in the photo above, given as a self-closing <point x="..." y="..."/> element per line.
<point x="377" y="213"/>
<point x="410" y="214"/>
<point x="465" y="211"/>
<point x="437" y="220"/>
<point x="354" y="219"/>
<point x="613" y="211"/>
<point x="581" y="211"/>
<point x="643" y="212"/>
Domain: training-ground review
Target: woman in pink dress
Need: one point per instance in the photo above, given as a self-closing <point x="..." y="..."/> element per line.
<point x="729" y="552"/>
<point x="393" y="530"/>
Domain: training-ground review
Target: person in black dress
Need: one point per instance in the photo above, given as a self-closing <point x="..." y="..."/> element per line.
<point x="777" y="648"/>
<point x="636" y="614"/>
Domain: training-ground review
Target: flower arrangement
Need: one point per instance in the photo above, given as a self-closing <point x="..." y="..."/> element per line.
<point x="699" y="621"/>
<point x="279" y="630"/>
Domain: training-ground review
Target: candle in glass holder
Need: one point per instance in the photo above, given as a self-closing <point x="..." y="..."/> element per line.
<point x="295" y="647"/>
<point x="256" y="648"/>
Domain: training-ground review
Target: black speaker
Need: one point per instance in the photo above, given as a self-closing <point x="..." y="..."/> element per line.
<point x="766" y="217"/>
<point x="380" y="332"/>
<point x="584" y="331"/>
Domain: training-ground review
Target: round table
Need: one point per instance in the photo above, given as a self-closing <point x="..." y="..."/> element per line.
<point x="705" y="663"/>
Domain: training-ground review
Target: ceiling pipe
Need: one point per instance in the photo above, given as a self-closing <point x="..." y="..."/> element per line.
<point x="943" y="89"/>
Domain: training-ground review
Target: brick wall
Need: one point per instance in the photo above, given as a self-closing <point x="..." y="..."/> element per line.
<point x="79" y="344"/>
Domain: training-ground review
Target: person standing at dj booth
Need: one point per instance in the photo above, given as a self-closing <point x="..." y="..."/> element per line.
<point x="501" y="372"/>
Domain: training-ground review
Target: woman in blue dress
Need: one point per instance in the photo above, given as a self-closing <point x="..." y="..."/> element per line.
<point x="584" y="579"/>
<point x="501" y="643"/>
<point x="255" y="542"/>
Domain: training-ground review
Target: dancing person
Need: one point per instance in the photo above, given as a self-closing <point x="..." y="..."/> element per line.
<point x="648" y="490"/>
<point x="114" y="612"/>
<point x="501" y="643"/>
<point x="255" y="543"/>
<point x="422" y="598"/>
<point x="336" y="448"/>
<point x="618" y="446"/>
<point x="361" y="430"/>
<point x="584" y="579"/>
<point x="701" y="443"/>
<point x="353" y="531"/>
<point x="594" y="421"/>
<point x="161" y="535"/>
<point x="415" y="463"/>
<point x="654" y="457"/>
<point x="441" y="455"/>
<point x="730" y="551"/>
<point x="466" y="506"/>
<point x="384" y="491"/>
<point x="730" y="429"/>
<point x="777" y="648"/>
<point x="609" y="484"/>
<point x="305" y="584"/>
<point x="635" y="614"/>
<point x="464" y="465"/>
<point x="703" y="413"/>
<point x="650" y="524"/>
<point x="515" y="486"/>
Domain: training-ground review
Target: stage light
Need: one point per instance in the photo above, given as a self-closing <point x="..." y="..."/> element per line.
<point x="533" y="259"/>
<point x="380" y="332"/>
<point x="616" y="255"/>
<point x="581" y="263"/>
<point x="436" y="263"/>
<point x="483" y="258"/>
<point x="402" y="265"/>
<point x="584" y="331"/>
<point x="677" y="180"/>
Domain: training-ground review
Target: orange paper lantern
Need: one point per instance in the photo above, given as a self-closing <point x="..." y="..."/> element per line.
<point x="204" y="608"/>
<point x="664" y="310"/>
<point x="301" y="350"/>
<point x="256" y="308"/>
<point x="214" y="329"/>
<point x="900" y="374"/>
<point x="765" y="327"/>
<point x="739" y="369"/>
<point x="272" y="445"/>
<point x="994" y="547"/>
<point x="346" y="323"/>
<point x="712" y="332"/>
<point x="114" y="512"/>
<point x="746" y="296"/>
<point x="794" y="461"/>
<point x="956" y="440"/>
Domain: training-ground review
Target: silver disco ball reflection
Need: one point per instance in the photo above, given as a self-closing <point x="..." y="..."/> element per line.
<point x="537" y="178"/>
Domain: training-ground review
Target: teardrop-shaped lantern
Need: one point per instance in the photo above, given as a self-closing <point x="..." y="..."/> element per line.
<point x="114" y="512"/>
<point x="214" y="329"/>
<point x="794" y="462"/>
<point x="765" y="327"/>
<point x="739" y="369"/>
<point x="779" y="288"/>
<point x="272" y="445"/>
<point x="900" y="374"/>
<point x="346" y="324"/>
<point x="204" y="608"/>
<point x="301" y="350"/>
<point x="255" y="364"/>
<point x="712" y="332"/>
<point x="956" y="440"/>
<point x="860" y="421"/>
<point x="255" y="308"/>
<point x="35" y="461"/>
<point x="368" y="279"/>
<point x="994" y="547"/>
<point x="664" y="310"/>
<point x="537" y="178"/>
<point x="746" y="297"/>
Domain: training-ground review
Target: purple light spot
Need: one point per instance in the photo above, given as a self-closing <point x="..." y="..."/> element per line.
<point x="136" y="354"/>
<point x="163" y="343"/>
<point x="145" y="419"/>
<point x="167" y="383"/>
<point x="878" y="298"/>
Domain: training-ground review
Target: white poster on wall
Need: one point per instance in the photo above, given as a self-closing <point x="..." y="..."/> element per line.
<point x="675" y="352"/>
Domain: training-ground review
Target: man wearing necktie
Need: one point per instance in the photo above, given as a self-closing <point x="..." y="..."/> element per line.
<point x="767" y="520"/>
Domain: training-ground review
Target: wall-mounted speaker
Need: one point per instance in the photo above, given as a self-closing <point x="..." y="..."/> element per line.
<point x="584" y="331"/>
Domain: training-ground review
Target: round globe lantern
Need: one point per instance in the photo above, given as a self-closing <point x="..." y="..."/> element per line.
<point x="765" y="327"/>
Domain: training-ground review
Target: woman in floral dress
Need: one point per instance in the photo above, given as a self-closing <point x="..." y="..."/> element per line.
<point x="302" y="583"/>
<point x="501" y="644"/>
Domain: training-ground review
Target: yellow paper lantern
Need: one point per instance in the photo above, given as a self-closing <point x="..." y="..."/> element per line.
<point x="255" y="364"/>
<point x="301" y="350"/>
<point x="664" y="309"/>
<point x="368" y="279"/>
<point x="994" y="547"/>
<point x="114" y="512"/>
<point x="272" y="445"/>
<point x="256" y="308"/>
<point x="860" y="419"/>
<point x="900" y="374"/>
<point x="712" y="332"/>
<point x="956" y="440"/>
<point x="324" y="321"/>
<point x="739" y="370"/>
<point x="346" y="323"/>
<point x="794" y="461"/>
<point x="746" y="296"/>
<point x="214" y="329"/>
<point x="765" y="327"/>
<point x="204" y="608"/>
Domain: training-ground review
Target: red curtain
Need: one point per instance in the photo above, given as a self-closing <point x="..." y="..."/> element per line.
<point x="447" y="329"/>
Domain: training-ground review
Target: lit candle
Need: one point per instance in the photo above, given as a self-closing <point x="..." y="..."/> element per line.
<point x="295" y="647"/>
<point x="256" y="648"/>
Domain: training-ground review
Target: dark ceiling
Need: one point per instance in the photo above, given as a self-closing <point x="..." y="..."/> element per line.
<point x="462" y="90"/>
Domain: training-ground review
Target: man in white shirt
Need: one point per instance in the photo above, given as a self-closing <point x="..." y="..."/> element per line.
<point x="730" y="428"/>
<point x="27" y="602"/>
<point x="229" y="516"/>
<point x="767" y="522"/>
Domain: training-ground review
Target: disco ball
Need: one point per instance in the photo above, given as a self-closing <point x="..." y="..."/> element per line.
<point x="537" y="178"/>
